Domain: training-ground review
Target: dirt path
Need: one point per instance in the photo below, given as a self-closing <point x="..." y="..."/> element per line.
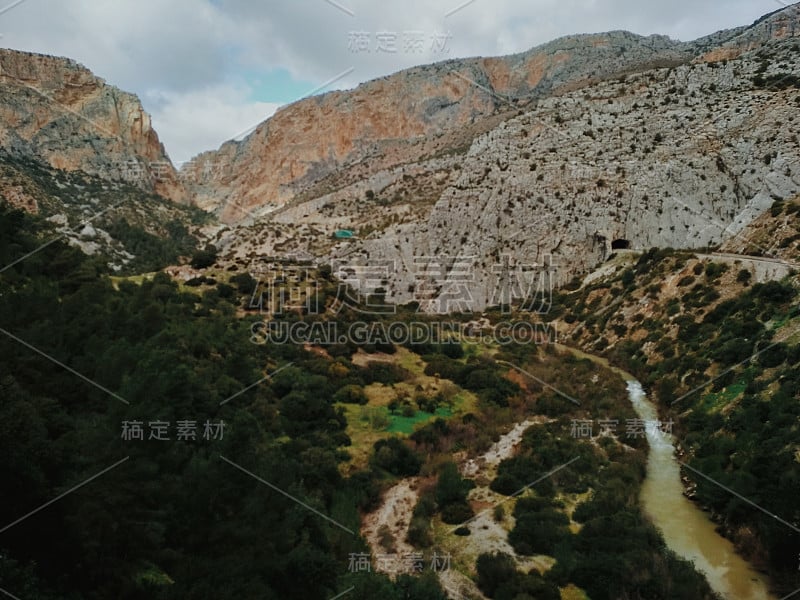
<point x="458" y="586"/>
<point x="764" y="269"/>
<point x="497" y="453"/>
<point x="362" y="359"/>
<point x="395" y="511"/>
<point x="486" y="534"/>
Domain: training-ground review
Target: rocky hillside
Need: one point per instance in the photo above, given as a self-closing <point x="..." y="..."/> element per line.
<point x="422" y="111"/>
<point x="681" y="157"/>
<point x="613" y="141"/>
<point x="55" y="110"/>
<point x="124" y="228"/>
<point x="384" y="122"/>
<point x="557" y="155"/>
<point x="715" y="339"/>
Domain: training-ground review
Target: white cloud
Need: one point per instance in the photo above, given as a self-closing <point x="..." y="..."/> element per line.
<point x="310" y="37"/>
<point x="189" y="122"/>
<point x="187" y="58"/>
<point x="135" y="44"/>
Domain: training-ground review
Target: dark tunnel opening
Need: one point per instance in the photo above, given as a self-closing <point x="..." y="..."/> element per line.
<point x="621" y="245"/>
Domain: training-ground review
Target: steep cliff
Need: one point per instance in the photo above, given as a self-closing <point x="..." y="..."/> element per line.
<point x="55" y="110"/>
<point x="563" y="153"/>
<point x="683" y="149"/>
<point x="391" y="120"/>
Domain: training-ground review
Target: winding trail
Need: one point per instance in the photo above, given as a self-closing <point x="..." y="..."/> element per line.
<point x="394" y="514"/>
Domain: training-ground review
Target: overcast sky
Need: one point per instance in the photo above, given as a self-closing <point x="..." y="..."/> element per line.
<point x="209" y="69"/>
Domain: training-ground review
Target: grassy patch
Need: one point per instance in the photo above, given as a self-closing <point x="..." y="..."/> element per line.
<point x="718" y="400"/>
<point x="400" y="424"/>
<point x="137" y="279"/>
<point x="362" y="435"/>
<point x="361" y="424"/>
<point x="572" y="592"/>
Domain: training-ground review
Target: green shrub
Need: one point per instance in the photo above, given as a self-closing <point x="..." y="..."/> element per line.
<point x="460" y="512"/>
<point x="494" y="570"/>
<point x="202" y="259"/>
<point x="395" y="457"/>
<point x="351" y="394"/>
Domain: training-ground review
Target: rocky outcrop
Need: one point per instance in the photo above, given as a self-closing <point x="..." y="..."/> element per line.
<point x="499" y="168"/>
<point x="678" y="155"/>
<point x="55" y="110"/>
<point x="391" y="121"/>
<point x="779" y="25"/>
<point x="683" y="158"/>
<point x="17" y="198"/>
<point x="386" y="122"/>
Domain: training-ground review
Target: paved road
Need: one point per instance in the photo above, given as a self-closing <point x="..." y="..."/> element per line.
<point x="765" y="269"/>
<point x="748" y="257"/>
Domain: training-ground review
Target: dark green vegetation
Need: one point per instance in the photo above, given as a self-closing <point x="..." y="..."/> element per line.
<point x="499" y="579"/>
<point x="480" y="376"/>
<point x="722" y="359"/>
<point x="617" y="553"/>
<point x="182" y="518"/>
<point x="451" y="495"/>
<point x="175" y="520"/>
<point x="154" y="231"/>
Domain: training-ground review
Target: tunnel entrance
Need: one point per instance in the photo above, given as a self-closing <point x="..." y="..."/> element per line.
<point x="621" y="245"/>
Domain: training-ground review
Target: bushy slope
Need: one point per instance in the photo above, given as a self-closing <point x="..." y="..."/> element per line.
<point x="131" y="230"/>
<point x="721" y="354"/>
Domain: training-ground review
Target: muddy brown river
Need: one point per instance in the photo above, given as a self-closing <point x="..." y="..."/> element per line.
<point x="687" y="530"/>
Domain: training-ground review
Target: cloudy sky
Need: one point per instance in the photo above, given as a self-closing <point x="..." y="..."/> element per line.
<point x="207" y="70"/>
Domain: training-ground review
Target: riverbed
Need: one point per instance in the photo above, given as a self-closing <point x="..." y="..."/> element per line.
<point x="687" y="530"/>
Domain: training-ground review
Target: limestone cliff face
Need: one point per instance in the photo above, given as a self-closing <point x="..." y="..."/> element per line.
<point x="380" y="123"/>
<point x="682" y="158"/>
<point x="680" y="152"/>
<point x="779" y="25"/>
<point x="562" y="153"/>
<point x="57" y="111"/>
<point x="326" y="142"/>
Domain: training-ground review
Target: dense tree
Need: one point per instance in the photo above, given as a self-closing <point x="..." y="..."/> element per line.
<point x="351" y="394"/>
<point x="204" y="258"/>
<point x="171" y="519"/>
<point x="493" y="571"/>
<point x="396" y="457"/>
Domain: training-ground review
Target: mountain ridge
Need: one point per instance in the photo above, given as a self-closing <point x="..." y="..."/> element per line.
<point x="57" y="111"/>
<point x="560" y="151"/>
<point x="239" y="177"/>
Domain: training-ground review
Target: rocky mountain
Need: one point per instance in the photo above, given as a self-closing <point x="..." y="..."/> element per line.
<point x="130" y="230"/>
<point x="667" y="171"/>
<point x="83" y="156"/>
<point x="391" y="120"/>
<point x="559" y="155"/>
<point x="56" y="111"/>
<point x="495" y="166"/>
